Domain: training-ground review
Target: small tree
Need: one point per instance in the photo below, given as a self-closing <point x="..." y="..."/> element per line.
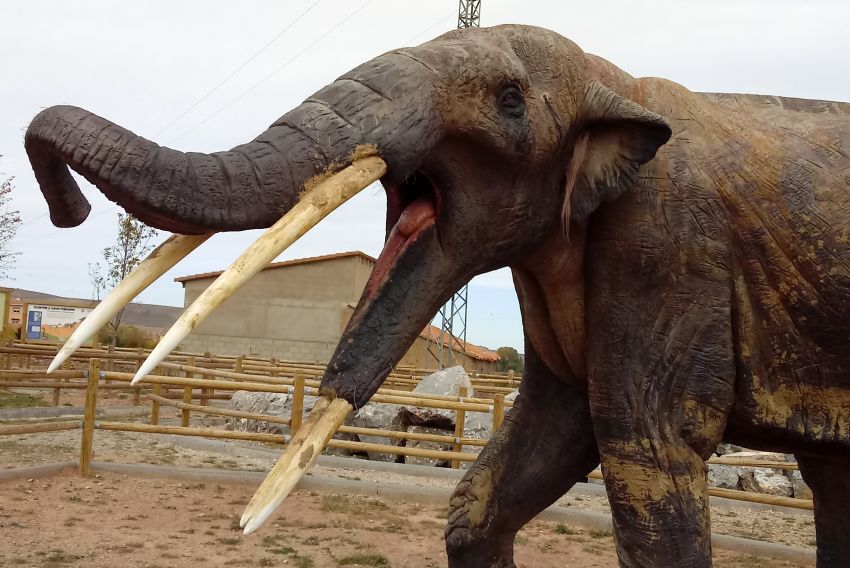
<point x="10" y="222"/>
<point x="509" y="360"/>
<point x="135" y="240"/>
<point x="98" y="280"/>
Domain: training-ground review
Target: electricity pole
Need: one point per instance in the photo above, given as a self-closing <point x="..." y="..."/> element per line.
<point x="469" y="14"/>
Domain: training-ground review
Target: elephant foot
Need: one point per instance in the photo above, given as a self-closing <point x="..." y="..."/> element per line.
<point x="467" y="545"/>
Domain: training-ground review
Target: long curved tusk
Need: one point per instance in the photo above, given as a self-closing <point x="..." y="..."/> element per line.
<point x="300" y="454"/>
<point x="314" y="205"/>
<point x="157" y="263"/>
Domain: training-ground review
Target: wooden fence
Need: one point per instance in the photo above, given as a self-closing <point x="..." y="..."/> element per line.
<point x="34" y="357"/>
<point x="179" y="382"/>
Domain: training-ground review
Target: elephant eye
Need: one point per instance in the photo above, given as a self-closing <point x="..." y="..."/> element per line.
<point x="511" y="101"/>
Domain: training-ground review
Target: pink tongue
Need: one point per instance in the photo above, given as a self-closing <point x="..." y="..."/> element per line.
<point x="415" y="216"/>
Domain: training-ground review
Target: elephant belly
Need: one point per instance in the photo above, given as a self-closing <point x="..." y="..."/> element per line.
<point x="791" y="274"/>
<point x="792" y="388"/>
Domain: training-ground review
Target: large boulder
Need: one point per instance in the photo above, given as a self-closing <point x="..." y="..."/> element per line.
<point x="726" y="449"/>
<point x="447" y="383"/>
<point x="271" y="404"/>
<point x="723" y="476"/>
<point x="427" y="445"/>
<point x="477" y="425"/>
<point x="382" y="417"/>
<point x="766" y="480"/>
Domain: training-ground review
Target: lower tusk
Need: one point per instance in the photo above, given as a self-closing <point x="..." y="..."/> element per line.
<point x="314" y="205"/>
<point x="158" y="262"/>
<point x="302" y="451"/>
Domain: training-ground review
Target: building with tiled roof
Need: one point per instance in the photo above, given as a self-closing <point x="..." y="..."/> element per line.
<point x="296" y="310"/>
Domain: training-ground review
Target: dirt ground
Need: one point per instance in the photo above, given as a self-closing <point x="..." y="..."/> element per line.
<point x="123" y="447"/>
<point x="60" y="522"/>
<point x="113" y="520"/>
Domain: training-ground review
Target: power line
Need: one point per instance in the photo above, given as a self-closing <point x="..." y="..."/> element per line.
<point x="100" y="213"/>
<point x="436" y="24"/>
<point x="238" y="69"/>
<point x="274" y="72"/>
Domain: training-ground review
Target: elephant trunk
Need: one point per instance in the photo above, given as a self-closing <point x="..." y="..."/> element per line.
<point x="247" y="187"/>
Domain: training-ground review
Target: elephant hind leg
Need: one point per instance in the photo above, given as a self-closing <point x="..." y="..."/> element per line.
<point x="830" y="482"/>
<point x="545" y="445"/>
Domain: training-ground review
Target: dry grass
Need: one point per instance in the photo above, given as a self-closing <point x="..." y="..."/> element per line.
<point x="19" y="400"/>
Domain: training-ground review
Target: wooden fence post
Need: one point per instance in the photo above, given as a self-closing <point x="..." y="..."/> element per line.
<point x="237" y="366"/>
<point x="460" y="420"/>
<point x="165" y="389"/>
<point x="157" y="391"/>
<point x="56" y="395"/>
<point x="187" y="393"/>
<point x="274" y="362"/>
<point x="88" y="417"/>
<point x="206" y="392"/>
<point x="110" y="349"/>
<point x="511" y="378"/>
<point x="297" y="410"/>
<point x="498" y="411"/>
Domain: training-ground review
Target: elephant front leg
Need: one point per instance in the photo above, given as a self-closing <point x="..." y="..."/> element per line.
<point x="661" y="371"/>
<point x="545" y="446"/>
<point x="658" y="412"/>
<point x="659" y="502"/>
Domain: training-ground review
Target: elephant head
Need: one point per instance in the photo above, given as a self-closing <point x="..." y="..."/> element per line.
<point x="495" y="140"/>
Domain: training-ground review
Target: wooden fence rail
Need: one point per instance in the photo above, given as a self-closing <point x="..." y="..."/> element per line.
<point x="299" y="384"/>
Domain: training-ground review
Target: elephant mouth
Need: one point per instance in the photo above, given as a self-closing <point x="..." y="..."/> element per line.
<point x="411" y="203"/>
<point x="411" y="209"/>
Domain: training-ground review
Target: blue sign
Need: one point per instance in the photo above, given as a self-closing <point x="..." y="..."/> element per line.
<point x="34" y="325"/>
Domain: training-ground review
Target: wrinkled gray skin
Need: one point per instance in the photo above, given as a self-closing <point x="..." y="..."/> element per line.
<point x="674" y="294"/>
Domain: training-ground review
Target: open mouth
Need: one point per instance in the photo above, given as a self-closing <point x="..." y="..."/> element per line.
<point x="411" y="209"/>
<point x="410" y="203"/>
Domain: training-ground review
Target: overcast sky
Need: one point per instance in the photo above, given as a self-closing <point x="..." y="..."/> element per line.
<point x="144" y="64"/>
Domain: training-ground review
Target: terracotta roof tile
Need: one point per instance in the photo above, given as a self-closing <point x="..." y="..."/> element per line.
<point x="433" y="333"/>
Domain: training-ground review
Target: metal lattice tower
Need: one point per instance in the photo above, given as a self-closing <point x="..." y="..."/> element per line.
<point x="448" y="348"/>
<point x="469" y="14"/>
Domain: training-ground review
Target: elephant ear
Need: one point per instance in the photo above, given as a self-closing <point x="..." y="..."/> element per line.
<point x="615" y="137"/>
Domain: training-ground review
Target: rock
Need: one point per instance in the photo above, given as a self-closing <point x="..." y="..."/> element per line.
<point x="798" y="486"/>
<point x="723" y="476"/>
<point x="765" y="480"/>
<point x="478" y="425"/>
<point x="383" y="417"/>
<point x="427" y="446"/>
<point x="445" y="382"/>
<point x="725" y="449"/>
<point x="273" y="404"/>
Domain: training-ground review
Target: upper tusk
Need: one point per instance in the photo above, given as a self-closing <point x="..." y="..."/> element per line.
<point x="302" y="451"/>
<point x="157" y="263"/>
<point x="314" y="205"/>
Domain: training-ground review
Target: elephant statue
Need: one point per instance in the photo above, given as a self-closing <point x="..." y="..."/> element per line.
<point x="682" y="262"/>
